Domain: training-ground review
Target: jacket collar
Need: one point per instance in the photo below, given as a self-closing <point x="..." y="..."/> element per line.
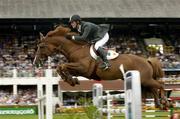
<point x="81" y="26"/>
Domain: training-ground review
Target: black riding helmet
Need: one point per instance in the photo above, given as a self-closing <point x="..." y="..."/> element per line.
<point x="74" y="18"/>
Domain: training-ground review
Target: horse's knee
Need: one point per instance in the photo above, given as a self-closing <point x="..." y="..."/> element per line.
<point x="62" y="66"/>
<point x="58" y="70"/>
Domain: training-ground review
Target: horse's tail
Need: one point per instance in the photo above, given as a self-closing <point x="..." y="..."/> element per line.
<point x="157" y="68"/>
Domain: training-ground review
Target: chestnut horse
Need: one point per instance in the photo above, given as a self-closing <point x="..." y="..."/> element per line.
<point x="80" y="62"/>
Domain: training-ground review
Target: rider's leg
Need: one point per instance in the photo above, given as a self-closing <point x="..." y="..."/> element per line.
<point x="101" y="52"/>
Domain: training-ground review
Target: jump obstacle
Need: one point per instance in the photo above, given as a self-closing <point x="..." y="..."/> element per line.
<point x="132" y="95"/>
<point x="45" y="100"/>
<point x="154" y="115"/>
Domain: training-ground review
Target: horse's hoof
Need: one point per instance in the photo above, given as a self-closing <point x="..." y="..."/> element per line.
<point x="77" y="81"/>
<point x="72" y="84"/>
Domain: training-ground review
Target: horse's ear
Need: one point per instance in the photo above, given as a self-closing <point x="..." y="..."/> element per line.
<point x="41" y="36"/>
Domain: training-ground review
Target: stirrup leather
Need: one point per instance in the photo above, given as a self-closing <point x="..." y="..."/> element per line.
<point x="104" y="65"/>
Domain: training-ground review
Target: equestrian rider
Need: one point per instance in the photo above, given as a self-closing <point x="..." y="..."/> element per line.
<point x="97" y="34"/>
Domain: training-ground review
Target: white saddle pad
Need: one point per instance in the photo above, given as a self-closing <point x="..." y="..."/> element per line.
<point x="111" y="54"/>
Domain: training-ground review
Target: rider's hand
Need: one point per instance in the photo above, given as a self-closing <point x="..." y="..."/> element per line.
<point x="69" y="37"/>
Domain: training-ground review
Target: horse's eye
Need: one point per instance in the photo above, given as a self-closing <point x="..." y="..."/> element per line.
<point x="41" y="46"/>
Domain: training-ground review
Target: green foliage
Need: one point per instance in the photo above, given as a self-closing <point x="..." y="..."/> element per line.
<point x="73" y="116"/>
<point x="92" y="112"/>
<point x="84" y="101"/>
<point x="56" y="116"/>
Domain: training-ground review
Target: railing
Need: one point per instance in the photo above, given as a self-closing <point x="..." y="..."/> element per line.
<point x="41" y="73"/>
<point x="25" y="73"/>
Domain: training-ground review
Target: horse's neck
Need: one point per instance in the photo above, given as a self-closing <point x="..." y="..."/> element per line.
<point x="66" y="47"/>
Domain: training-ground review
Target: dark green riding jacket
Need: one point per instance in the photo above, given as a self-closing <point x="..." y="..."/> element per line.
<point x="92" y="32"/>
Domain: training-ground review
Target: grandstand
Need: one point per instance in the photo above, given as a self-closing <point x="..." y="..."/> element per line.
<point x="144" y="28"/>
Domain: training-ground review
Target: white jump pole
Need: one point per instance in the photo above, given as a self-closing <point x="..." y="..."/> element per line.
<point x="45" y="100"/>
<point x="49" y="95"/>
<point x="40" y="101"/>
<point x="132" y="89"/>
<point x="98" y="91"/>
<point x="133" y="95"/>
<point x="48" y="98"/>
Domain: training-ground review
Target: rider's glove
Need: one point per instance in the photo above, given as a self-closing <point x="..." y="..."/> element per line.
<point x="69" y="37"/>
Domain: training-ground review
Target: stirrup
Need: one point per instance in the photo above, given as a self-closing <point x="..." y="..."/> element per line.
<point x="105" y="66"/>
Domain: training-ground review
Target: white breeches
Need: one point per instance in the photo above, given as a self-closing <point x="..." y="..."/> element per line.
<point x="101" y="42"/>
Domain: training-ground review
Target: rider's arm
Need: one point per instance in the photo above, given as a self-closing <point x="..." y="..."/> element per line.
<point x="84" y="35"/>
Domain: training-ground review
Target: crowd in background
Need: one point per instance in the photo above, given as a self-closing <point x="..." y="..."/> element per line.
<point x="19" y="54"/>
<point x="23" y="97"/>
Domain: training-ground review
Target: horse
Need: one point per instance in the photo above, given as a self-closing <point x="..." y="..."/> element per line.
<point x="81" y="63"/>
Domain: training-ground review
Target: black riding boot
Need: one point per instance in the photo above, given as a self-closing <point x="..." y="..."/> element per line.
<point x="102" y="53"/>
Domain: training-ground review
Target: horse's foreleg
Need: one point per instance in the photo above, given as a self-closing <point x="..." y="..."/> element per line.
<point x="64" y="75"/>
<point x="66" y="69"/>
<point x="74" y="69"/>
<point x="61" y="73"/>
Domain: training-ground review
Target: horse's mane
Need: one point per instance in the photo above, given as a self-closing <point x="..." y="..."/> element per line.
<point x="59" y="31"/>
<point x="62" y="31"/>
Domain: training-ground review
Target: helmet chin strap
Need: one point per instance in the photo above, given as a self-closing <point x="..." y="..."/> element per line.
<point x="79" y="28"/>
<point x="77" y="25"/>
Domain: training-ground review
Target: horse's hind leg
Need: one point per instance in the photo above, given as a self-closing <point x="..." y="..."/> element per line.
<point x="155" y="87"/>
<point x="154" y="84"/>
<point x="156" y="97"/>
<point x="162" y="92"/>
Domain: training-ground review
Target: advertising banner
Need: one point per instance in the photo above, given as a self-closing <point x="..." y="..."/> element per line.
<point x="17" y="111"/>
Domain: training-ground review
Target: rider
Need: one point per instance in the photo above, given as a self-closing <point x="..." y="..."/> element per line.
<point x="97" y="34"/>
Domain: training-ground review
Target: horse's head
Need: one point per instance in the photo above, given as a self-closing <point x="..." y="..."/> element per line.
<point x="44" y="49"/>
<point x="52" y="43"/>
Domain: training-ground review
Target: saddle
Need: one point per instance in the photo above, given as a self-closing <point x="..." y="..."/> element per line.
<point x="111" y="54"/>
